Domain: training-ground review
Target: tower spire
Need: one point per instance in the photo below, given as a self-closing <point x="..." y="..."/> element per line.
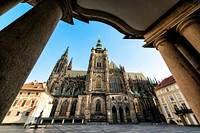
<point x="66" y="52"/>
<point x="70" y="64"/>
<point x="99" y="46"/>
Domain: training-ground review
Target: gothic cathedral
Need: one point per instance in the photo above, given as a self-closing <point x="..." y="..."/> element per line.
<point x="105" y="93"/>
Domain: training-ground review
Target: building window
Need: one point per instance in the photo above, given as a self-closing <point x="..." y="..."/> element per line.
<point x="14" y="104"/>
<point x="178" y="96"/>
<point x="20" y="93"/>
<point x="63" y="109"/>
<point x="175" y="107"/>
<point x="115" y="84"/>
<point x="9" y="112"/>
<point x="183" y="106"/>
<point x="171" y="98"/>
<point x="98" y="106"/>
<point x="32" y="103"/>
<point x="37" y="93"/>
<point x="27" y="113"/>
<point x="167" y="89"/>
<point x="28" y="93"/>
<point x="125" y="98"/>
<point x="98" y="82"/>
<point x="167" y="111"/>
<point x="98" y="64"/>
<point x="113" y="98"/>
<point x="23" y="103"/>
<point x="17" y="114"/>
<point x="162" y="100"/>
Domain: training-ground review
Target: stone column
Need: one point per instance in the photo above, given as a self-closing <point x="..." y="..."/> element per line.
<point x="189" y="53"/>
<point x="183" y="72"/>
<point x="124" y="113"/>
<point x="21" y="45"/>
<point x="190" y="29"/>
<point x="118" y="116"/>
<point x="6" y="5"/>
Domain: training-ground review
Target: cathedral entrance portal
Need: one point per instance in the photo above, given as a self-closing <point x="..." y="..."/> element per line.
<point x="121" y="114"/>
<point x="114" y="114"/>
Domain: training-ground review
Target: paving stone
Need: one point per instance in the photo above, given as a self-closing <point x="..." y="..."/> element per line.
<point x="130" y="128"/>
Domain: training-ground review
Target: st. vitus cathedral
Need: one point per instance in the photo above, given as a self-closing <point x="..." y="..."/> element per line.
<point x="104" y="92"/>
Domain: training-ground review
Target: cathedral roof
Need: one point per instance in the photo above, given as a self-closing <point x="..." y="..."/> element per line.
<point x="74" y="73"/>
<point x="112" y="65"/>
<point x="136" y="76"/>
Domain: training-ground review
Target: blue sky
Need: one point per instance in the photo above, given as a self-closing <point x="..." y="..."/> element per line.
<point x="80" y="38"/>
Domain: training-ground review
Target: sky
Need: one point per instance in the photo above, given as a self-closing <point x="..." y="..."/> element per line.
<point x="80" y="38"/>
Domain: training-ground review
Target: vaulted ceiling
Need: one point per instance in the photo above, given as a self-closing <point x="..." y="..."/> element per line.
<point x="131" y="17"/>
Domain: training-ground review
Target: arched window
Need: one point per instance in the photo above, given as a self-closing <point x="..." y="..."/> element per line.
<point x="73" y="108"/>
<point x="98" y="82"/>
<point x="98" y="64"/>
<point x="63" y="109"/>
<point x="98" y="106"/>
<point x="113" y="98"/>
<point x="115" y="84"/>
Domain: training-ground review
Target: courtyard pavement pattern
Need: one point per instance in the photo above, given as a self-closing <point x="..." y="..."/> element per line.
<point x="129" y="128"/>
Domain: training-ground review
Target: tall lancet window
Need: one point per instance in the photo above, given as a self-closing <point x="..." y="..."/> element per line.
<point x="98" y="82"/>
<point x="63" y="108"/>
<point x="115" y="84"/>
<point x="98" y="106"/>
<point x="98" y="62"/>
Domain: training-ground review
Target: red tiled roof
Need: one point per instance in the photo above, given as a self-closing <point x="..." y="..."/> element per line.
<point x="36" y="86"/>
<point x="165" y="82"/>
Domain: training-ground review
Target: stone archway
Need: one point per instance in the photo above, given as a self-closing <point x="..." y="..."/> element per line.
<point x="55" y="103"/>
<point x="128" y="115"/>
<point x="73" y="108"/>
<point x="121" y="114"/>
<point x="98" y="105"/>
<point x="114" y="114"/>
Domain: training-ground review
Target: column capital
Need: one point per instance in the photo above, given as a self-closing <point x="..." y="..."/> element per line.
<point x="67" y="10"/>
<point x="170" y="36"/>
<point x="195" y="18"/>
<point x="159" y="41"/>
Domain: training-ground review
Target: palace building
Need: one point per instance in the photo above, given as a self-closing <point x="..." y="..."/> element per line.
<point x="32" y="99"/>
<point x="103" y="93"/>
<point x="173" y="104"/>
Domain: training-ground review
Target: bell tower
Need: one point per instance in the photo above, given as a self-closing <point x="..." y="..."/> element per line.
<point x="98" y="70"/>
<point x="97" y="81"/>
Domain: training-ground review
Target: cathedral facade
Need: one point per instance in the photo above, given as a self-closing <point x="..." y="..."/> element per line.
<point x="103" y="93"/>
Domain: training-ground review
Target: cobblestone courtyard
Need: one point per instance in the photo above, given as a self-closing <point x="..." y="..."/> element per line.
<point x="140" y="128"/>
